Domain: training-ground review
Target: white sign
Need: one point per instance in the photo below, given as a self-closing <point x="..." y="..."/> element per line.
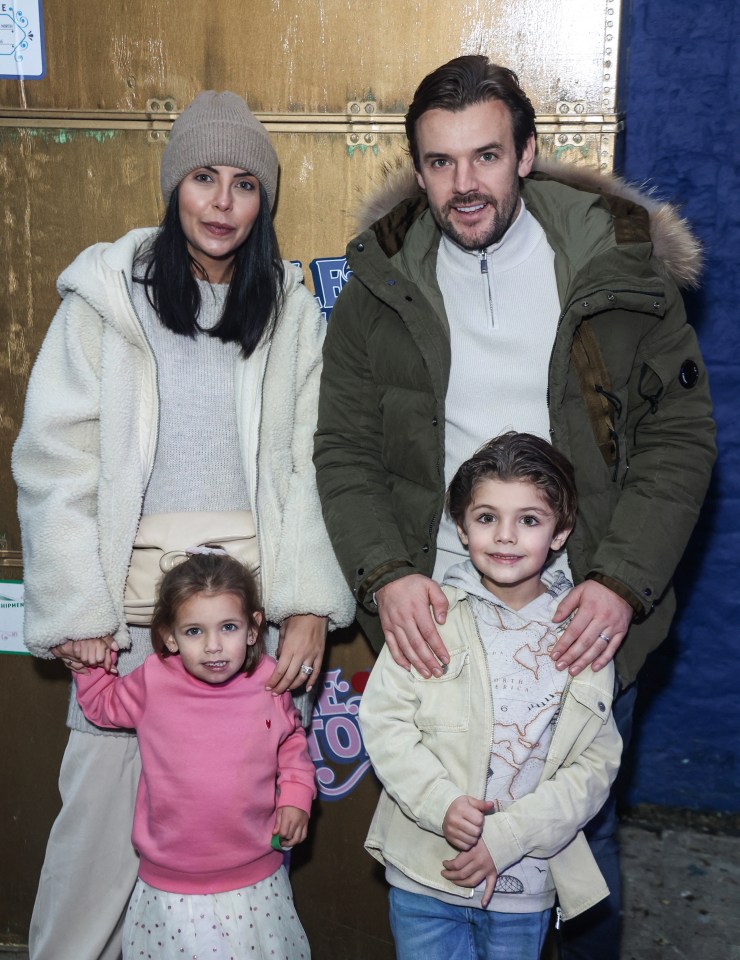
<point x="11" y="617"/>
<point x="21" y="40"/>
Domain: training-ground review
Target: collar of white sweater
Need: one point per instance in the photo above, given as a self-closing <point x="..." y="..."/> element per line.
<point x="516" y="246"/>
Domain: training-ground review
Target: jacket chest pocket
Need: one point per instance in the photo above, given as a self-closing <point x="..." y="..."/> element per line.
<point x="444" y="702"/>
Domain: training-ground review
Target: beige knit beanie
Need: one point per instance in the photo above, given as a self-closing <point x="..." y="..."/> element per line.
<point x="218" y="129"/>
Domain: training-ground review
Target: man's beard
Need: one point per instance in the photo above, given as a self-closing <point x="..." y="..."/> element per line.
<point x="503" y="216"/>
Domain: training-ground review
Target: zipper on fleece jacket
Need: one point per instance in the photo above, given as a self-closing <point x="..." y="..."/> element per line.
<point x="486" y="276"/>
<point x="252" y="426"/>
<point x="139" y="329"/>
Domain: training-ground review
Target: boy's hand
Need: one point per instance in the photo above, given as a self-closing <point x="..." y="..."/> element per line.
<point x="472" y="867"/>
<point x="463" y="822"/>
<point x="291" y="825"/>
<point x="78" y="655"/>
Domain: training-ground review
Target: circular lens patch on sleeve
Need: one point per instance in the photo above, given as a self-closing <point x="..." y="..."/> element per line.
<point x="688" y="375"/>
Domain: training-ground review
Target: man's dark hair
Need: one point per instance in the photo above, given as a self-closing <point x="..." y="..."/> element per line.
<point x="463" y="82"/>
<point x="518" y="457"/>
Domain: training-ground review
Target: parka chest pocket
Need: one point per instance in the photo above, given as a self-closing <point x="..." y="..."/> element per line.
<point x="444" y="702"/>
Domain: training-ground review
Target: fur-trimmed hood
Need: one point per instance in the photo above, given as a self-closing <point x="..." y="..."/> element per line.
<point x="675" y="247"/>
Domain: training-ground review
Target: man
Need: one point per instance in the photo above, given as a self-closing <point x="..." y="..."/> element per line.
<point x="496" y="298"/>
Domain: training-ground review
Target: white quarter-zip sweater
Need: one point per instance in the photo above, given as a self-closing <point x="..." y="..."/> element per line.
<point x="502" y="306"/>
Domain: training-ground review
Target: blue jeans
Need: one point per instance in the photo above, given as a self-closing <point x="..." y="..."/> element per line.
<point x="428" y="929"/>
<point x="596" y="934"/>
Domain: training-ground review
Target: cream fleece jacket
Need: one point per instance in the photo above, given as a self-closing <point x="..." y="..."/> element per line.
<point x="86" y="446"/>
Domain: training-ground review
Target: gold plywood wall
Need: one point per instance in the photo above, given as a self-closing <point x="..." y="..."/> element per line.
<point x="79" y="163"/>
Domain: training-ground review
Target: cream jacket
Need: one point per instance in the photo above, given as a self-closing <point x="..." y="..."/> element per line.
<point x="86" y="450"/>
<point x="430" y="742"/>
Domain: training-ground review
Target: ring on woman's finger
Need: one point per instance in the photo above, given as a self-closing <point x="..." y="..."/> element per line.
<point x="603" y="636"/>
<point x="306" y="669"/>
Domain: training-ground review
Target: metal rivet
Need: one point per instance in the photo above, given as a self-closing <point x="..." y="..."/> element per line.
<point x="354" y="138"/>
<point x="360" y="247"/>
<point x="585" y="304"/>
<point x="434" y="421"/>
<point x="647" y="592"/>
<point x="656" y="305"/>
<point x="601" y="706"/>
<point x="391" y="283"/>
<point x="425" y="548"/>
<point x="610" y="296"/>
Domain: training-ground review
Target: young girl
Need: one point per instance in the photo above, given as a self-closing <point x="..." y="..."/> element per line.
<point x="226" y="775"/>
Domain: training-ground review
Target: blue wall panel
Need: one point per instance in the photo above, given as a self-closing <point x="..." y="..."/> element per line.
<point x="683" y="123"/>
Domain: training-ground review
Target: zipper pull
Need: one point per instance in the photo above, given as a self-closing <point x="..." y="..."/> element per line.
<point x="483" y="261"/>
<point x="558" y="917"/>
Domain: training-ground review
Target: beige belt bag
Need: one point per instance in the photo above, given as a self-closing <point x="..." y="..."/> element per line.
<point x="162" y="541"/>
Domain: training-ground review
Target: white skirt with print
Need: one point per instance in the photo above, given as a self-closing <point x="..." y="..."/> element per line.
<point x="257" y="922"/>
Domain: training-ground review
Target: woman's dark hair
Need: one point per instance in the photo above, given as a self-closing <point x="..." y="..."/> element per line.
<point x="255" y="295"/>
<point x="211" y="573"/>
<point x="463" y="82"/>
<point x="518" y="456"/>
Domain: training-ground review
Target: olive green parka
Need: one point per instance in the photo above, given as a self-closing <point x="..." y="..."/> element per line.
<point x="628" y="396"/>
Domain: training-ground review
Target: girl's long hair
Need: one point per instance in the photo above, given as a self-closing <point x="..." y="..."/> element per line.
<point x="255" y="296"/>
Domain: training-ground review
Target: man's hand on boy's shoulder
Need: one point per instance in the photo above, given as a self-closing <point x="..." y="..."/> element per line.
<point x="463" y="822"/>
<point x="405" y="607"/>
<point x="601" y="621"/>
<point x="472" y="867"/>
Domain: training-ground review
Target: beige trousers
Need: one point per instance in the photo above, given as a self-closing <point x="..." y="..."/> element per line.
<point x="90" y="866"/>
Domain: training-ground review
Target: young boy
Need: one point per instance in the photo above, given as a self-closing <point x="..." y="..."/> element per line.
<point x="490" y="771"/>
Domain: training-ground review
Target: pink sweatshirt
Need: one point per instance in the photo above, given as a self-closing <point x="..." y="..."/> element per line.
<point x="214" y="757"/>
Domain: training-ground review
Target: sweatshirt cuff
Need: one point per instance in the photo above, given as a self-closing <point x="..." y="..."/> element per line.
<point x="293" y="794"/>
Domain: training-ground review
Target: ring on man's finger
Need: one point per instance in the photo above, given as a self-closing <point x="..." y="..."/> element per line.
<point x="603" y="636"/>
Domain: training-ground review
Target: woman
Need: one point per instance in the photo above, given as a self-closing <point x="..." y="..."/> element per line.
<point x="178" y="382"/>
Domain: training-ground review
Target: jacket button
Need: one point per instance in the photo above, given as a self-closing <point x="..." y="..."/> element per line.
<point x="656" y="305"/>
<point x="585" y="304"/>
<point x="425" y="548"/>
<point x="647" y="592"/>
<point x="360" y="247"/>
<point x="610" y="296"/>
<point x="361" y="572"/>
<point x="434" y="421"/>
<point x="391" y="283"/>
<point x="601" y="706"/>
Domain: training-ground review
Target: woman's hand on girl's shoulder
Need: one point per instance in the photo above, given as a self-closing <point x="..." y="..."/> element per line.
<point x="300" y="653"/>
